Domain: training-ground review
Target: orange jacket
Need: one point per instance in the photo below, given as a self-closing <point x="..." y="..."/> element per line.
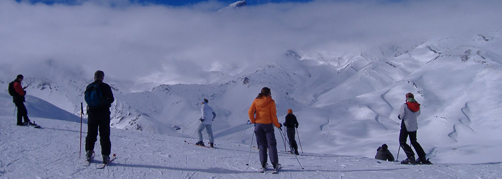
<point x="264" y="110"/>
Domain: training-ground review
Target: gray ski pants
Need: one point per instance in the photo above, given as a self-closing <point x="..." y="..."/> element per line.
<point x="209" y="131"/>
<point x="265" y="137"/>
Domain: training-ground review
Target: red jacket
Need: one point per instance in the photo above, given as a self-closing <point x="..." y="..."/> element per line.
<point x="19" y="89"/>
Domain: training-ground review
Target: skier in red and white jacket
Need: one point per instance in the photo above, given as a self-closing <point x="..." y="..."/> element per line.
<point x="409" y="113"/>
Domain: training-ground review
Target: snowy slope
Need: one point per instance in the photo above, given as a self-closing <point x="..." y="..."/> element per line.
<point x="53" y="152"/>
<point x="343" y="101"/>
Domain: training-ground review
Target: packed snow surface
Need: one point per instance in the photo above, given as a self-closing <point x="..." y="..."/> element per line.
<point x="53" y="152"/>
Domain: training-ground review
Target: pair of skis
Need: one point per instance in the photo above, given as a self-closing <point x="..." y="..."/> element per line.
<point x="102" y="165"/>
<point x="199" y="145"/>
<point x="34" y="125"/>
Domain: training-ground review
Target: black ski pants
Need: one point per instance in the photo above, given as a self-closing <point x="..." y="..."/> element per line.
<point x="291" y="137"/>
<point x="403" y="135"/>
<point x="99" y="120"/>
<point x="21" y="112"/>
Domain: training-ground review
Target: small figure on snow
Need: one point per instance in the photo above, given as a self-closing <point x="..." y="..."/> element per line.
<point x="17" y="91"/>
<point x="383" y="153"/>
<point x="291" y="124"/>
<point x="99" y="97"/>
<point x="263" y="114"/>
<point x="409" y="113"/>
<point x="206" y="122"/>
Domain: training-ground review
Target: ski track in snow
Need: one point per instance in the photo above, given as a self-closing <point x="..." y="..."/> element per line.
<point x="52" y="152"/>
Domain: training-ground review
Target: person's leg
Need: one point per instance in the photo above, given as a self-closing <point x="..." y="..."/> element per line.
<point x="272" y="144"/>
<point x="291" y="137"/>
<point x="104" y="134"/>
<point x="22" y="112"/>
<point x="92" y="132"/>
<point x="19" y="115"/>
<point x="209" y="130"/>
<point x="261" y="139"/>
<point x="417" y="146"/>
<point x="199" y="131"/>
<point x="403" y="136"/>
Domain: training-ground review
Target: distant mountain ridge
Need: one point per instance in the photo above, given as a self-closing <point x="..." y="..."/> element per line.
<point x="350" y="100"/>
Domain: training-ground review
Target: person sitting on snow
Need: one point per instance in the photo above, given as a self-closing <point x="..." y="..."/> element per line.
<point x="383" y="153"/>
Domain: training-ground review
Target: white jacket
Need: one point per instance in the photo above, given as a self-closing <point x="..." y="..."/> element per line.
<point x="207" y="114"/>
<point x="409" y="117"/>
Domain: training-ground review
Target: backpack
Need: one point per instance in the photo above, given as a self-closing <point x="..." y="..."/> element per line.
<point x="94" y="96"/>
<point x="12" y="91"/>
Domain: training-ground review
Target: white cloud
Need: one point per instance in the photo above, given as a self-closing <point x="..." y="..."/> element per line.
<point x="180" y="44"/>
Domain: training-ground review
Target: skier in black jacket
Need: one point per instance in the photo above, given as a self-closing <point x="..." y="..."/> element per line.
<point x="291" y="123"/>
<point x="17" y="91"/>
<point x="99" y="119"/>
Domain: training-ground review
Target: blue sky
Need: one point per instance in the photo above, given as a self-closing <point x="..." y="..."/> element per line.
<point x="167" y="2"/>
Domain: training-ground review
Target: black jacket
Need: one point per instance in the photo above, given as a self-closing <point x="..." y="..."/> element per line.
<point x="106" y="90"/>
<point x="383" y="154"/>
<point x="291" y="121"/>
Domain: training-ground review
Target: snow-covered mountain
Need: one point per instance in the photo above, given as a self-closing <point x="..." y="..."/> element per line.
<point x="346" y="103"/>
<point x="235" y="5"/>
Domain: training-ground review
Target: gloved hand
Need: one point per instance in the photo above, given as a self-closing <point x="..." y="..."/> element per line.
<point x="280" y="126"/>
<point x="399" y="116"/>
<point x="296" y="126"/>
<point x="201" y="120"/>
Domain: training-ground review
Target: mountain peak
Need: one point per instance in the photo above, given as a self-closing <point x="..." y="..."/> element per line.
<point x="238" y="4"/>
<point x="235" y="5"/>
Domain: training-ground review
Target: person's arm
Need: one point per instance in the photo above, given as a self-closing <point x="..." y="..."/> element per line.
<point x="19" y="89"/>
<point x="251" y="112"/>
<point x="402" y="112"/>
<point x="214" y="115"/>
<point x="296" y="122"/>
<point x="203" y="113"/>
<point x="273" y="113"/>
<point x="109" y="94"/>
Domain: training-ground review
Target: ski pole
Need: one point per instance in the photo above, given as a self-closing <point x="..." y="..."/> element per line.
<point x="250" y="146"/>
<point x="283" y="141"/>
<point x="284" y="135"/>
<point x="298" y="162"/>
<point x="399" y="146"/>
<point x="299" y="141"/>
<point x="81" y="113"/>
<point x="398" y="149"/>
<point x="196" y="130"/>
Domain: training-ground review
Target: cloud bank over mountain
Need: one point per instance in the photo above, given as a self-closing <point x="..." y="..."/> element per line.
<point x="151" y="45"/>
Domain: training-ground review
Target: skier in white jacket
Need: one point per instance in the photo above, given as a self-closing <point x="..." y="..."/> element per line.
<point x="409" y="113"/>
<point x="207" y="119"/>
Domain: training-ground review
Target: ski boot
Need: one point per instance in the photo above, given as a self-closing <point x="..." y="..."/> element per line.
<point x="409" y="160"/>
<point x="200" y="143"/>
